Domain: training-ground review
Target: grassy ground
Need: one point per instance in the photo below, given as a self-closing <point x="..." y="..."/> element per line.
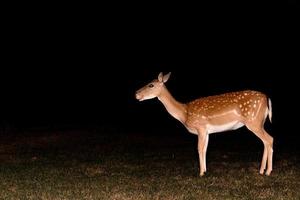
<point x="85" y="165"/>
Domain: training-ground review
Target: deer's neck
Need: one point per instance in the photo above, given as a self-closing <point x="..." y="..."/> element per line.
<point x="176" y="109"/>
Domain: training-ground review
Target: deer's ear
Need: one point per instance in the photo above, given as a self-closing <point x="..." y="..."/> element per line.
<point x="166" y="77"/>
<point x="160" y="77"/>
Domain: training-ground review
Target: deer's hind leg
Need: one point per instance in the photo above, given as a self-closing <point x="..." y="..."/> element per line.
<point x="267" y="140"/>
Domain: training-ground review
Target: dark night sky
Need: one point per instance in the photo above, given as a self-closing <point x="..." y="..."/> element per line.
<point x="82" y="71"/>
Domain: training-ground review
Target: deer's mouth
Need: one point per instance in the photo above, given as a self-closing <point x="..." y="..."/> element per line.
<point x="139" y="97"/>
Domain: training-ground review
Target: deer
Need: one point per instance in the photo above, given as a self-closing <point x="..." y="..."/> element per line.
<point x="217" y="113"/>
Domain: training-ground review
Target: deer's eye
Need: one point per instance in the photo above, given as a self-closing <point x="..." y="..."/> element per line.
<point x="151" y="85"/>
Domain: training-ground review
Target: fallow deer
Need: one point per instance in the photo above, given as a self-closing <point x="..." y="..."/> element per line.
<point x="218" y="113"/>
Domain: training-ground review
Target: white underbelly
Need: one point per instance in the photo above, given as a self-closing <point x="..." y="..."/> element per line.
<point x="224" y="127"/>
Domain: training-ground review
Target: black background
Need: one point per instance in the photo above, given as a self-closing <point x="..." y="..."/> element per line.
<point x="79" y="67"/>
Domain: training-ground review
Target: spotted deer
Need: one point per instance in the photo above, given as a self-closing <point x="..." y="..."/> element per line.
<point x="212" y="114"/>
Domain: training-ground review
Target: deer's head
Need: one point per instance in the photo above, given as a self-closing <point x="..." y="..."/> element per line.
<point x="152" y="89"/>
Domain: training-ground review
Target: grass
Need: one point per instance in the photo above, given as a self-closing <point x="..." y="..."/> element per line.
<point x="92" y="165"/>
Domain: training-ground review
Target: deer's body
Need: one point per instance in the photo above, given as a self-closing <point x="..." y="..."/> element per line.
<point x="223" y="112"/>
<point x="217" y="113"/>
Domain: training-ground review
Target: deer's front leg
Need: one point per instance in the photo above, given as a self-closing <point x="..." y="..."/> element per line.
<point x="205" y="150"/>
<point x="202" y="139"/>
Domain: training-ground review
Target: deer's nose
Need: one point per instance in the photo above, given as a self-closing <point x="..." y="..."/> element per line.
<point x="138" y="95"/>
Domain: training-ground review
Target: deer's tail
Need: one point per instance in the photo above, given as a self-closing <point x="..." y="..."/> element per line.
<point x="270" y="109"/>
